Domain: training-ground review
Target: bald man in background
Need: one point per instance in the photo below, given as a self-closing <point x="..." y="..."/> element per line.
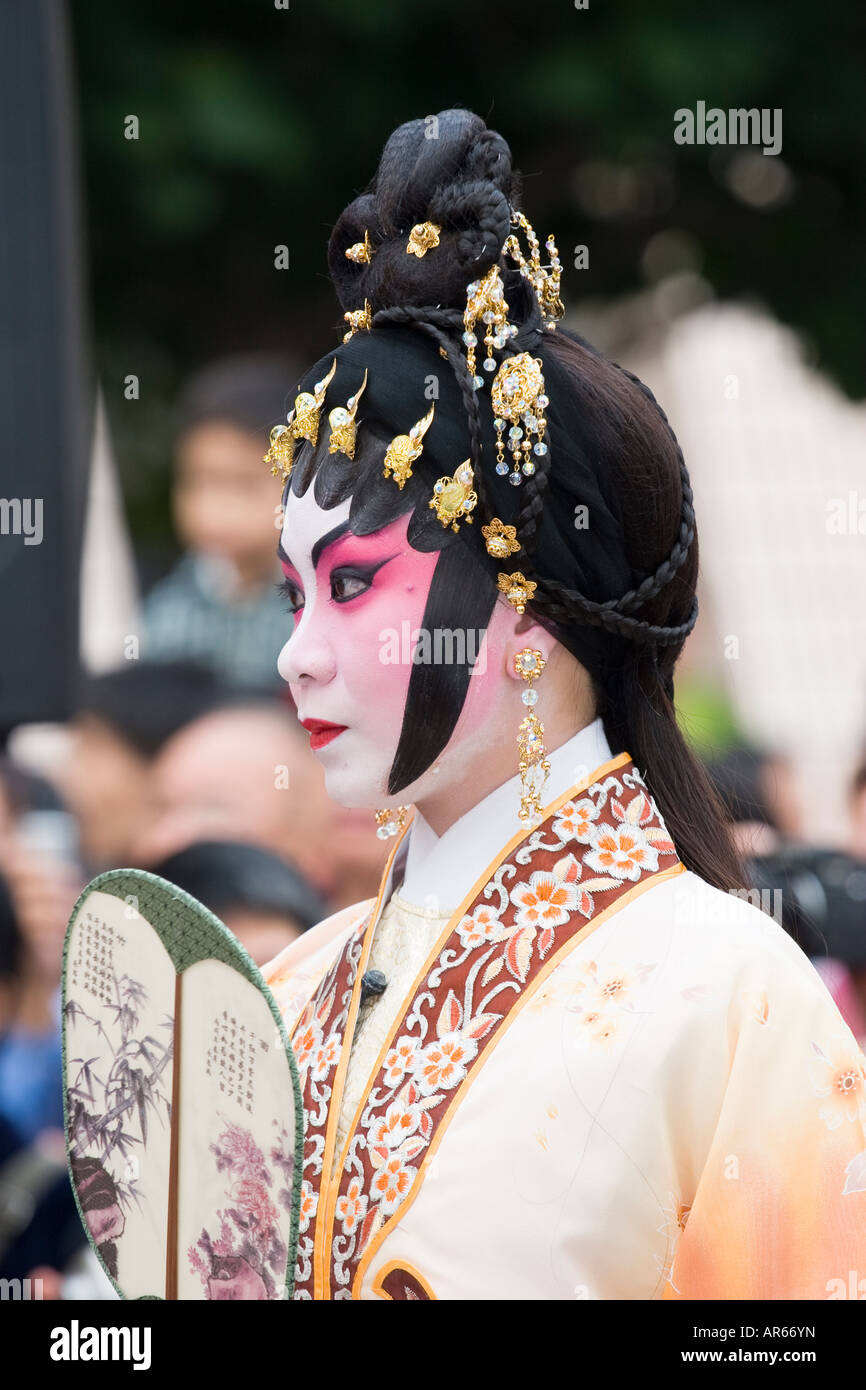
<point x="247" y="773"/>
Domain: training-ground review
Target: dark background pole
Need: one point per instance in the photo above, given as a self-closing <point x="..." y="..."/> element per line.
<point x="46" y="390"/>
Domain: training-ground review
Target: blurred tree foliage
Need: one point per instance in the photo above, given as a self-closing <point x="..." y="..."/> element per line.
<point x="257" y="124"/>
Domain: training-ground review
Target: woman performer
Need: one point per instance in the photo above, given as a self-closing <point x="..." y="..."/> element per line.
<point x="556" y="1057"/>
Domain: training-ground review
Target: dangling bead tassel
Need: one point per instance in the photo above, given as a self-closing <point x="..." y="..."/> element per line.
<point x="534" y="766"/>
<point x="387" y="825"/>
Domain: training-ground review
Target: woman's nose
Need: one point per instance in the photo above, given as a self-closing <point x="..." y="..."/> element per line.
<point x="306" y="654"/>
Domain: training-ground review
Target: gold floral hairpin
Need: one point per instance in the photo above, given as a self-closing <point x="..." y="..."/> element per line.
<point x="517" y="589"/>
<point x="453" y="498"/>
<point x="342" y="422"/>
<point x="359" y="320"/>
<point x="361" y="251"/>
<point x="405" y="448"/>
<point x="500" y="540"/>
<point x="422" y="238"/>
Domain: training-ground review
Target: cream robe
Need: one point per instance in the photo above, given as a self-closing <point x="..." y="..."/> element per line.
<point x="675" y="1110"/>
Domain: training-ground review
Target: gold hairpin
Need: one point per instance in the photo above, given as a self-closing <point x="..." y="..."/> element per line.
<point x="422" y="238"/>
<point x="405" y="448"/>
<point x="359" y="320"/>
<point x="342" y="423"/>
<point x="485" y="300"/>
<point x="281" y="453"/>
<point x="453" y="498"/>
<point x="361" y="251"/>
<point x="518" y="398"/>
<point x="545" y="283"/>
<point x="307" y="407"/>
<point x="500" y="540"/>
<point x="517" y="589"/>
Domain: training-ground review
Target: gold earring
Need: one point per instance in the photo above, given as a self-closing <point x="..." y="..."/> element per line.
<point x="361" y="252"/>
<point x="342" y="423"/>
<point x="387" y="825"/>
<point x="422" y="238"/>
<point x="534" y="766"/>
<point x="307" y="407"/>
<point x="405" y="448"/>
<point x="453" y="498"/>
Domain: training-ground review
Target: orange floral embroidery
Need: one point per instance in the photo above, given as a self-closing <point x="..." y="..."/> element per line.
<point x="481" y="927"/>
<point x="624" y="852"/>
<point x="395" y="1125"/>
<point x="545" y="901"/>
<point x="573" y="821"/>
<point x="352" y="1206"/>
<point x="442" y="1064"/>
<point x="309" y="1203"/>
<point x="391" y="1182"/>
<point x="306" y="1043"/>
<point x="400" y="1060"/>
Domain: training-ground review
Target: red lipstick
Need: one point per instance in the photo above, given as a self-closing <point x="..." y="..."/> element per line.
<point x="321" y="731"/>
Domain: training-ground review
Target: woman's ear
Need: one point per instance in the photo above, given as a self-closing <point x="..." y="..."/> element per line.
<point x="527" y="633"/>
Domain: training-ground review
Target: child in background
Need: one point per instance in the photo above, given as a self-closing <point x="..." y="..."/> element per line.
<point x="218" y="604"/>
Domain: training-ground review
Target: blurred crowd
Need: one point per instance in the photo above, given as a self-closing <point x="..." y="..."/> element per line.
<point x="189" y="762"/>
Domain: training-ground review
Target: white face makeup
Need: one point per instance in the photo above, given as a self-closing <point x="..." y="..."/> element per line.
<point x="350" y="593"/>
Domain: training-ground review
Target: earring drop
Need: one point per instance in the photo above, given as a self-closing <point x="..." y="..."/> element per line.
<point x="389" y="822"/>
<point x="534" y="766"/>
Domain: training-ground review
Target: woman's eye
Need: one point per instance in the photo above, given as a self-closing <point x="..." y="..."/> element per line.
<point x="348" y="586"/>
<point x="292" y="594"/>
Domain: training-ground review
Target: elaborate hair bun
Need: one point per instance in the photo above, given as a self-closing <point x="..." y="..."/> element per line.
<point x="448" y="169"/>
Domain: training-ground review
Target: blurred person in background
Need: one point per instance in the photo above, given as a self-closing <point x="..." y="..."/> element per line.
<point x="759" y="792"/>
<point x="857" y="808"/>
<point x="247" y="773"/>
<point x="40" y="878"/>
<point x="259" y="897"/>
<point x="219" y="603"/>
<point x="124" y="718"/>
<point x="30" y="1095"/>
<point x="817" y="894"/>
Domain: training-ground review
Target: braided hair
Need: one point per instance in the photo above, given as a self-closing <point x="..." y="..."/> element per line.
<point x="619" y="595"/>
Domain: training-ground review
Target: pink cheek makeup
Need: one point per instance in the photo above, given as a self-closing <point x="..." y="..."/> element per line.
<point x="369" y="692"/>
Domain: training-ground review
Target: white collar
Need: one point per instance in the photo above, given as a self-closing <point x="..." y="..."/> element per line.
<point x="441" y="869"/>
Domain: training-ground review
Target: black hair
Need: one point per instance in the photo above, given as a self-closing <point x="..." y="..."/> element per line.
<point x="146" y="702"/>
<point x="739" y="776"/>
<point x="226" y="875"/>
<point x="620" y="595"/>
<point x="11" y="943"/>
<point x="246" y="391"/>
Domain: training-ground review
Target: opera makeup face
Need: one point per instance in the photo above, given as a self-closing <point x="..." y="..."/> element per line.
<point x="353" y="600"/>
